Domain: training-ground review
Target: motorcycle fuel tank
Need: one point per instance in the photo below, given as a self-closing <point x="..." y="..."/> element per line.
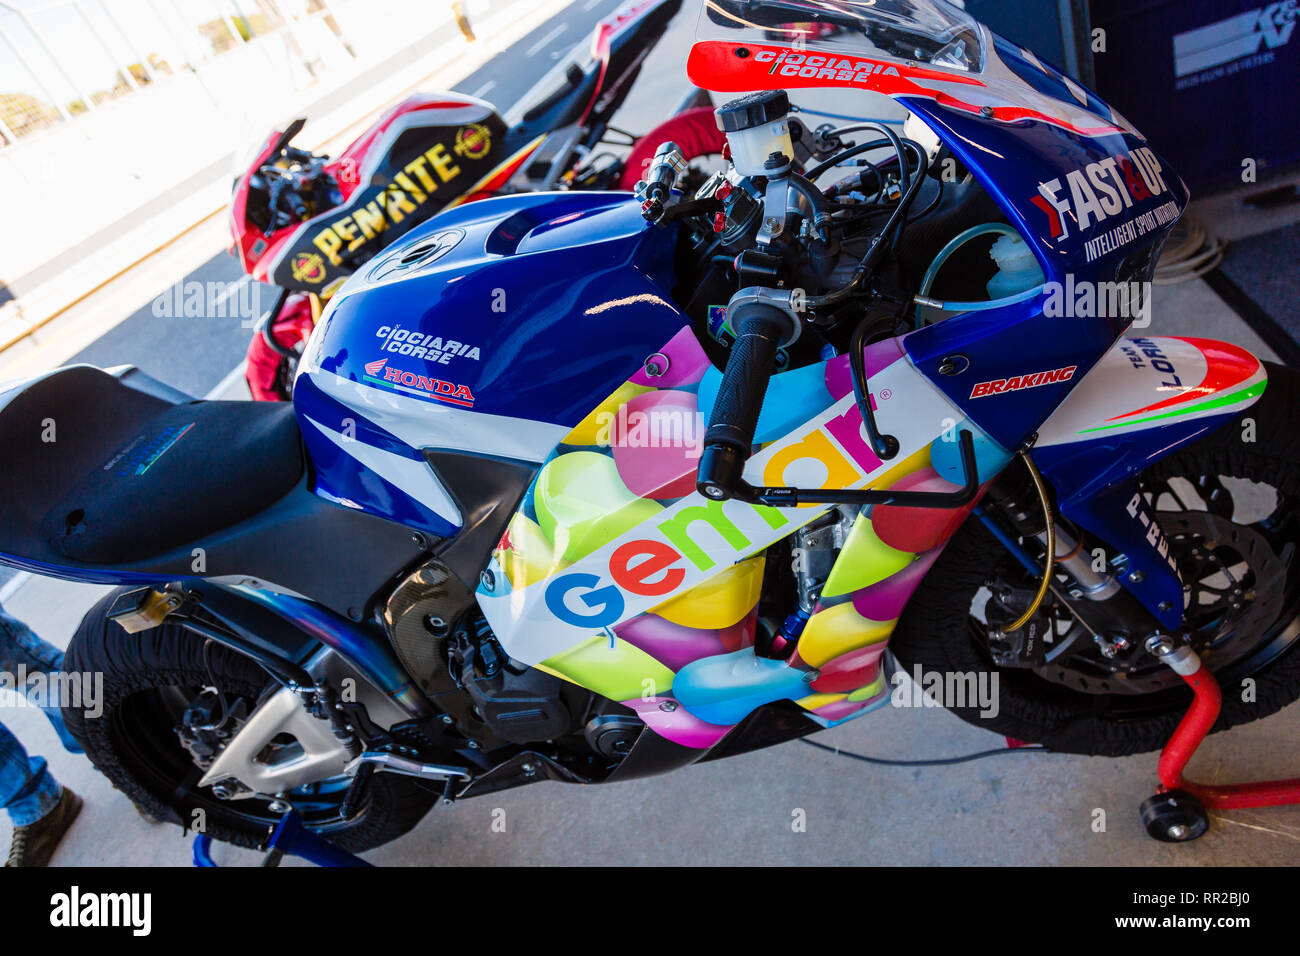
<point x="489" y="331"/>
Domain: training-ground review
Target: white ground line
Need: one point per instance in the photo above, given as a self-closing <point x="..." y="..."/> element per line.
<point x="232" y="288"/>
<point x="546" y="40"/>
<point x="591" y="4"/>
<point x="516" y="29"/>
<point x="483" y="90"/>
<point x="234" y="375"/>
<point x="13" y="584"/>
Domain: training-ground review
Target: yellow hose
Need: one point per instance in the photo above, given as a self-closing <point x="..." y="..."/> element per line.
<point x="1046" y="582"/>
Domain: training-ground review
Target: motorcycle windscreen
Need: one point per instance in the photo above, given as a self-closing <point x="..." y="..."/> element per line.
<point x="904" y="31"/>
<point x="900" y="48"/>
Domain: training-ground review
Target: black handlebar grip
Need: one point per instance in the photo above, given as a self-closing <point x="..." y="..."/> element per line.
<point x="759" y="330"/>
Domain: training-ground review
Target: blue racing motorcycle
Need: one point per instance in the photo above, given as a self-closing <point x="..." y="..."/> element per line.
<point x="590" y="486"/>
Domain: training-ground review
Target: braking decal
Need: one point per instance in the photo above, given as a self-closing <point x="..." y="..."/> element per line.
<point x="999" y="386"/>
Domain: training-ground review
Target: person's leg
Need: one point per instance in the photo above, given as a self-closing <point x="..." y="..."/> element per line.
<point x="19" y="645"/>
<point x="28" y="791"/>
<point x="41" y="810"/>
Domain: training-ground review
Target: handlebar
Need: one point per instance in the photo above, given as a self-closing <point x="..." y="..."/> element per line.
<point x="760" y="329"/>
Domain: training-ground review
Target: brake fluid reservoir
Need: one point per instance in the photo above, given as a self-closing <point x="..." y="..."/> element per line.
<point x="1018" y="270"/>
<point x="756" y="127"/>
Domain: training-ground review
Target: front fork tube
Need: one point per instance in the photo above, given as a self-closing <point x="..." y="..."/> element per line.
<point x="1074" y="559"/>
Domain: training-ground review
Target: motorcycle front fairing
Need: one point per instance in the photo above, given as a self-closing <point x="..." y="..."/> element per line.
<point x="1091" y="198"/>
<point x="617" y="575"/>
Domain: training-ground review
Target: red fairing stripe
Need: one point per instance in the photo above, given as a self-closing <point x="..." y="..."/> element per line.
<point x="716" y="65"/>
<point x="1226" y="366"/>
<point x="487" y="187"/>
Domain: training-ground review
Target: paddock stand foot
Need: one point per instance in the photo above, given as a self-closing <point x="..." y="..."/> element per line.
<point x="289" y="837"/>
<point x="1179" y="811"/>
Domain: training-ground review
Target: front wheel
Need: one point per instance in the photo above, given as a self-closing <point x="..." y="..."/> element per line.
<point x="157" y="681"/>
<point x="1231" y="509"/>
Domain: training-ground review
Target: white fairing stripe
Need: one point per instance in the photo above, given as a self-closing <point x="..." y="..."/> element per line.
<point x="415" y="478"/>
<point x="423" y="424"/>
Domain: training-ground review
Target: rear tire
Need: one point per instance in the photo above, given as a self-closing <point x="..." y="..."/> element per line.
<point x="132" y="742"/>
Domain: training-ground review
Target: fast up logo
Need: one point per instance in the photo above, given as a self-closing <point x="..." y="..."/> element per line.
<point x="696" y="538"/>
<point x="1099" y="191"/>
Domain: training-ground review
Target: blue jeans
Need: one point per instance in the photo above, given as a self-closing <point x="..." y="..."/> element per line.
<point x="28" y="790"/>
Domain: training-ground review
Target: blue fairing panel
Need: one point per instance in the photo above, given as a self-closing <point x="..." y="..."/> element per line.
<point x="1094" y="209"/>
<point x="493" y="329"/>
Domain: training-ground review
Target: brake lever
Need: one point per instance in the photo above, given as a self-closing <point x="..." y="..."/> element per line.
<point x="885" y="446"/>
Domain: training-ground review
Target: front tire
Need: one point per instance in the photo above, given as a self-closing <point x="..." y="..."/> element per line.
<point x="148" y="678"/>
<point x="1075" y="710"/>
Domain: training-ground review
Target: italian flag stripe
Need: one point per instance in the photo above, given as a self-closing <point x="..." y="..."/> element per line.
<point x="1243" y="395"/>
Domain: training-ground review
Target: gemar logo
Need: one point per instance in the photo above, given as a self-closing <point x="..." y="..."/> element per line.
<point x="76" y="909"/>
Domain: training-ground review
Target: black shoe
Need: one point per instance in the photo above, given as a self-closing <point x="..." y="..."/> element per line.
<point x="34" y="844"/>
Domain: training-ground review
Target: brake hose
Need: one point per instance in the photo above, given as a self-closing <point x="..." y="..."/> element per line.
<point x="974" y="232"/>
<point x="867" y="265"/>
<point x="925" y="302"/>
<point x="1046" y="582"/>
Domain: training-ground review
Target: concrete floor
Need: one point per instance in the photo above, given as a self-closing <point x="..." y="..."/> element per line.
<point x="1028" y="808"/>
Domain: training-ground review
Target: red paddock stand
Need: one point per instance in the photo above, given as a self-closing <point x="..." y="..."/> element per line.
<point x="1179" y="810"/>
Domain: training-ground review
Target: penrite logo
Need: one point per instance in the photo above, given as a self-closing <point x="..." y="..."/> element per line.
<point x="1099" y="191"/>
<point x="411" y="186"/>
<point x="1000" y="386"/>
<point x="308" y="267"/>
<point x="420" y="385"/>
<point x="1236" y="38"/>
<point x="473" y="141"/>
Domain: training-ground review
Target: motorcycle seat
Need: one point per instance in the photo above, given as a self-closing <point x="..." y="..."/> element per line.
<point x="100" y="472"/>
